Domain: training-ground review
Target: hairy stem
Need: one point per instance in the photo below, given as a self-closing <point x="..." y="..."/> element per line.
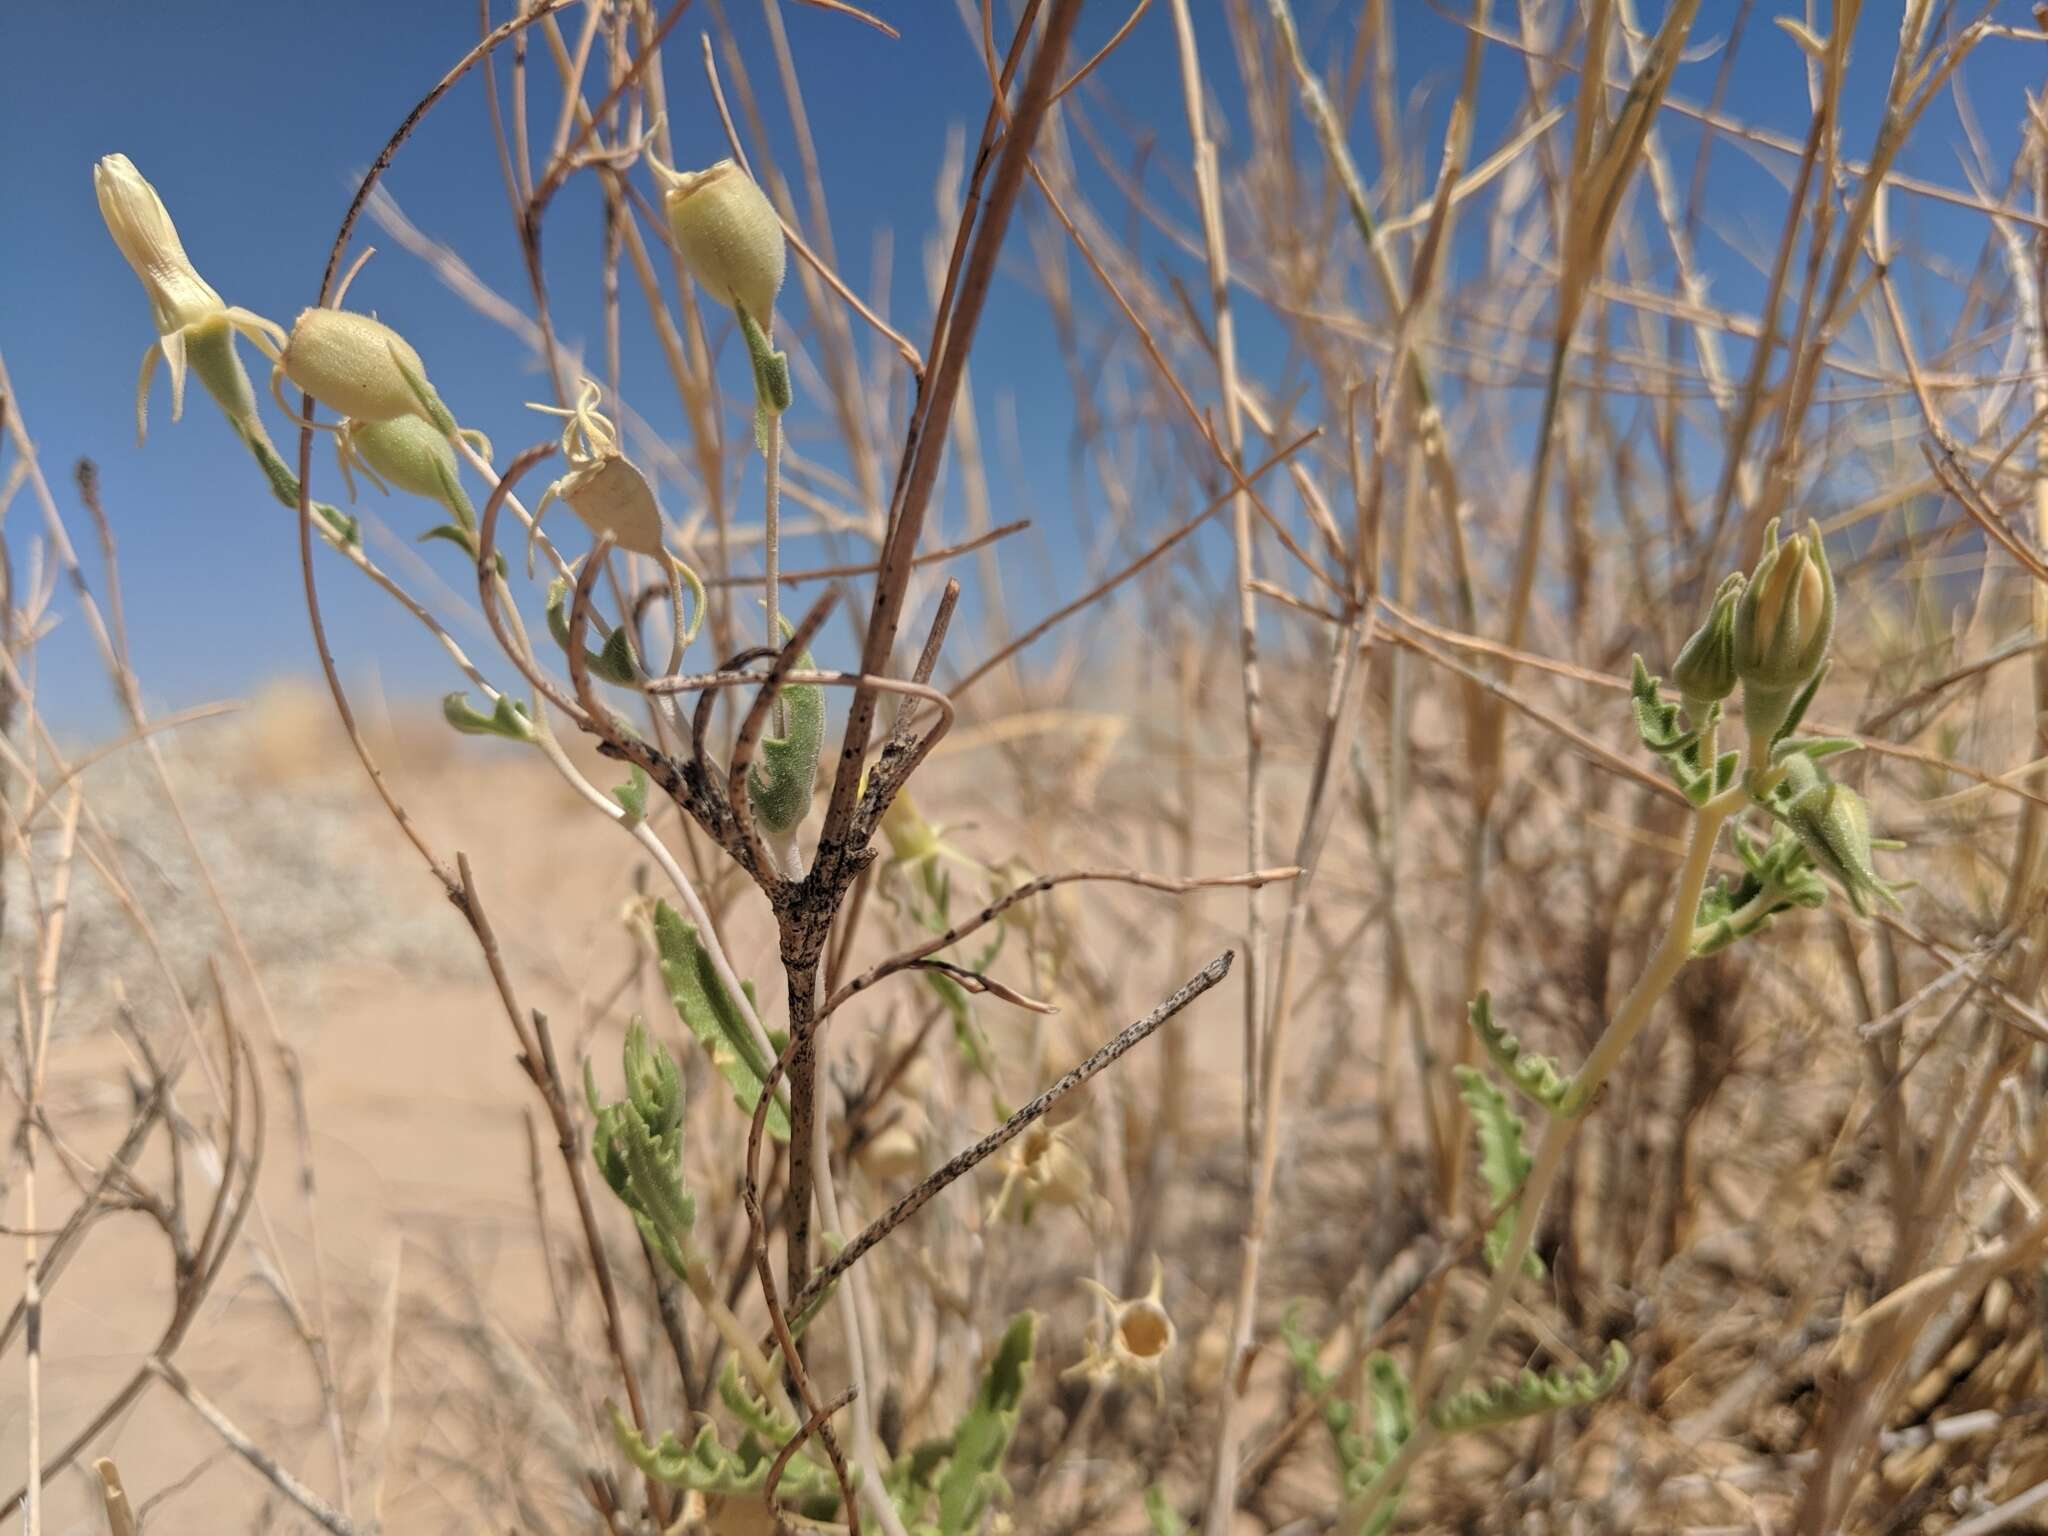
<point x="1669" y="958"/>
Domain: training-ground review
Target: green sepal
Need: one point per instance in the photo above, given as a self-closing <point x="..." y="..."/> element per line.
<point x="710" y="1013"/>
<point x="1503" y="1161"/>
<point x="425" y="396"/>
<point x="1528" y="1393"/>
<point x="1814" y="747"/>
<point x="1796" y="710"/>
<point x="507" y="719"/>
<point x="1537" y="1076"/>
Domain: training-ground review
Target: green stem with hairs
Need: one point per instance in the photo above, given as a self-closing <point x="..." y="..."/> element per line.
<point x="1669" y="958"/>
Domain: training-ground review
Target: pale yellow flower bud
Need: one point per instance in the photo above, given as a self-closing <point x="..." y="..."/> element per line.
<point x="1783" y="623"/>
<point x="728" y="235"/>
<point x="184" y="306"/>
<point x="142" y="228"/>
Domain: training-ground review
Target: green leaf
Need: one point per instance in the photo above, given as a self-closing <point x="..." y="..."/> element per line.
<point x="462" y="539"/>
<point x="706" y="1465"/>
<point x="1339" y="1417"/>
<point x="1529" y="1393"/>
<point x="1537" y="1076"/>
<point x="711" y="1014"/>
<point x="966" y="1033"/>
<point x="785" y="767"/>
<point x="1390" y="1405"/>
<point x="973" y="1477"/>
<point x="1503" y="1162"/>
<point x="614" y="662"/>
<point x="746" y="1405"/>
<point x="1164" y="1519"/>
<point x="632" y="796"/>
<point x="508" y="718"/>
<point x="638" y="1146"/>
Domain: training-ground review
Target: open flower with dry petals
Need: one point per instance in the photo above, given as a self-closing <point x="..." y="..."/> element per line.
<point x="1131" y="1342"/>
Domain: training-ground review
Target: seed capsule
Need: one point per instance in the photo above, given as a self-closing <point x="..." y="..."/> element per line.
<point x="603" y="487"/>
<point x="728" y="234"/>
<point x="408" y="452"/>
<point x="1833" y="825"/>
<point x="359" y="367"/>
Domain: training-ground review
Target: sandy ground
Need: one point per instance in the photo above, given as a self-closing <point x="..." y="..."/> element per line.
<point x="419" y="1123"/>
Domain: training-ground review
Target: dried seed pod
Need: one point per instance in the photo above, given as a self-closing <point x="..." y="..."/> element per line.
<point x="603" y="487"/>
<point x="1041" y="1167"/>
<point x="1133" y="1339"/>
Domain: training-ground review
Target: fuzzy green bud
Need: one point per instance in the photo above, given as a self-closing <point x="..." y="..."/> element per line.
<point x="1783" y="622"/>
<point x="1833" y="825"/>
<point x="359" y="367"/>
<point x="411" y="454"/>
<point x="728" y="235"/>
<point x="1705" y="669"/>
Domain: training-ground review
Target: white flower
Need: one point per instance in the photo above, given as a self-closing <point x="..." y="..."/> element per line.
<point x="181" y="301"/>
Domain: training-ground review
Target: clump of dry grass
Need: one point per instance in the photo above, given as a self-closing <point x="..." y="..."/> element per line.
<point x="1367" y="655"/>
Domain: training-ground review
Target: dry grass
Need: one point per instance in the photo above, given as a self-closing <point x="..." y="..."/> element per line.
<point x="1402" y="449"/>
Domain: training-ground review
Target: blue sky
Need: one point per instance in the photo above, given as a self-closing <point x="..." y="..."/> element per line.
<point x="254" y="121"/>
